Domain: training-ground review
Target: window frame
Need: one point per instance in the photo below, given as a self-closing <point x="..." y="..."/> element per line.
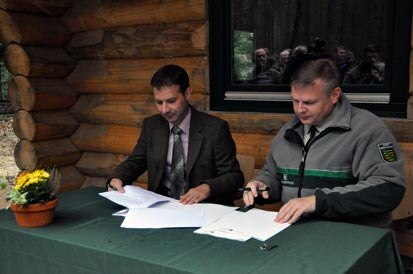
<point x="225" y="96"/>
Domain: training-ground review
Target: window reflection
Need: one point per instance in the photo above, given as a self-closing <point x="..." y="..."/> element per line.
<point x="266" y="34"/>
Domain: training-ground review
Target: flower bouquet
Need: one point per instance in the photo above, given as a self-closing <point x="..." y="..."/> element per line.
<point x="32" y="196"/>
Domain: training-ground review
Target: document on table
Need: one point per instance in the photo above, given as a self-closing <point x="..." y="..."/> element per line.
<point x="169" y="215"/>
<point x="135" y="197"/>
<point x="255" y="223"/>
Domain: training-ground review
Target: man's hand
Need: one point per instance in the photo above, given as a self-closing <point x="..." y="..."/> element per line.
<point x="195" y="195"/>
<point x="294" y="208"/>
<point x="249" y="196"/>
<point x="116" y="184"/>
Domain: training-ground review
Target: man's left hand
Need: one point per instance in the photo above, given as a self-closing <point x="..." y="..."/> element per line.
<point x="195" y="195"/>
<point x="294" y="208"/>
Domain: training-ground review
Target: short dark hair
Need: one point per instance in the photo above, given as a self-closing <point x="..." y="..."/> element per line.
<point x="323" y="69"/>
<point x="370" y="48"/>
<point x="170" y="75"/>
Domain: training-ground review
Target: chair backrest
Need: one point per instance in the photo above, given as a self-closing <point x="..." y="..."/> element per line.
<point x="247" y="164"/>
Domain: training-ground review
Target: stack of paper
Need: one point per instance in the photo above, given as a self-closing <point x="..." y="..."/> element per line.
<point x="255" y="223"/>
<point x="135" y="197"/>
<point x="147" y="209"/>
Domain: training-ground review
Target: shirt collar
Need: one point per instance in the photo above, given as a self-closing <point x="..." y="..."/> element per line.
<point x="184" y="125"/>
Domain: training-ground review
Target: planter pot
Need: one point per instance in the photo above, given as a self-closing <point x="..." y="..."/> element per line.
<point x="34" y="215"/>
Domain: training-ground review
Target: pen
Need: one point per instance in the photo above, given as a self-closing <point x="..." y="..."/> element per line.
<point x="258" y="189"/>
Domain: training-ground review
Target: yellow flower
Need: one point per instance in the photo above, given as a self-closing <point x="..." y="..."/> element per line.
<point x="27" y="178"/>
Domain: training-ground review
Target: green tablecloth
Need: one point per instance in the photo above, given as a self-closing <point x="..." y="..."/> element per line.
<point x="85" y="238"/>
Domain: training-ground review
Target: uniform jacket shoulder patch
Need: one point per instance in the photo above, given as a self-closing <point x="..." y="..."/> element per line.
<point x="387" y="152"/>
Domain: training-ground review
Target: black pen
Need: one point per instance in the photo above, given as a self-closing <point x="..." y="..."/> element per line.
<point x="258" y="189"/>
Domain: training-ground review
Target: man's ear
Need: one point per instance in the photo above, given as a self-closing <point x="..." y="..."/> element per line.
<point x="188" y="93"/>
<point x="335" y="94"/>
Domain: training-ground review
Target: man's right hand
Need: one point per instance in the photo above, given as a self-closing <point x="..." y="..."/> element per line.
<point x="249" y="196"/>
<point x="116" y="184"/>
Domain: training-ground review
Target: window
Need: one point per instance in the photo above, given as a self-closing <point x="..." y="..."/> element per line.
<point x="250" y="40"/>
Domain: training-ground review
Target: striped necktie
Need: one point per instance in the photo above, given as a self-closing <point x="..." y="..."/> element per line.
<point x="177" y="165"/>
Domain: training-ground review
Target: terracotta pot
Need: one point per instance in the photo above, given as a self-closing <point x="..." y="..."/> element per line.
<point x="34" y="215"/>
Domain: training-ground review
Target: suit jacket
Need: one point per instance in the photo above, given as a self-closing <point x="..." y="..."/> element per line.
<point x="211" y="156"/>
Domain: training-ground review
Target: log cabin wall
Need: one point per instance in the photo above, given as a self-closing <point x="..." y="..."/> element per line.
<point x="35" y="55"/>
<point x="116" y="46"/>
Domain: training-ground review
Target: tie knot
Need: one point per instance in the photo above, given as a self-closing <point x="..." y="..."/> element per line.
<point x="176" y="130"/>
<point x="312" y="131"/>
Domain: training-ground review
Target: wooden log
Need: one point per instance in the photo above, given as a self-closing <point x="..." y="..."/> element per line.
<point x="402" y="129"/>
<point x="49" y="62"/>
<point x="122" y="139"/>
<point x="270" y="123"/>
<point x="71" y="178"/>
<point x="131" y="76"/>
<point x="37" y="94"/>
<point x="255" y="145"/>
<point x="38" y="62"/>
<point x="41" y="30"/>
<point x="99" y="164"/>
<point x="37" y="126"/>
<point x="52" y="8"/>
<point x="9" y="31"/>
<point x="259" y="123"/>
<point x="122" y="109"/>
<point x="102" y="165"/>
<point x="90" y="15"/>
<point x="17" y="60"/>
<point x="105" y="138"/>
<point x="43" y="154"/>
<point x="144" y="41"/>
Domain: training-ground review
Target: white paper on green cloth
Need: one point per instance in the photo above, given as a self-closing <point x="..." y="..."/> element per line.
<point x="163" y="218"/>
<point x="256" y="223"/>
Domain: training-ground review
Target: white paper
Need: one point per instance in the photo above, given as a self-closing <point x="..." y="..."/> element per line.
<point x="255" y="223"/>
<point x="135" y="197"/>
<point x="121" y="213"/>
<point x="212" y="212"/>
<point x="163" y="218"/>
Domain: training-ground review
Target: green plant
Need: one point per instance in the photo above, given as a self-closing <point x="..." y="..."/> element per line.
<point x="243" y="56"/>
<point x="38" y="186"/>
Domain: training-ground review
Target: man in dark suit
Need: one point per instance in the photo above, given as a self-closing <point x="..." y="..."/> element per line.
<point x="210" y="172"/>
